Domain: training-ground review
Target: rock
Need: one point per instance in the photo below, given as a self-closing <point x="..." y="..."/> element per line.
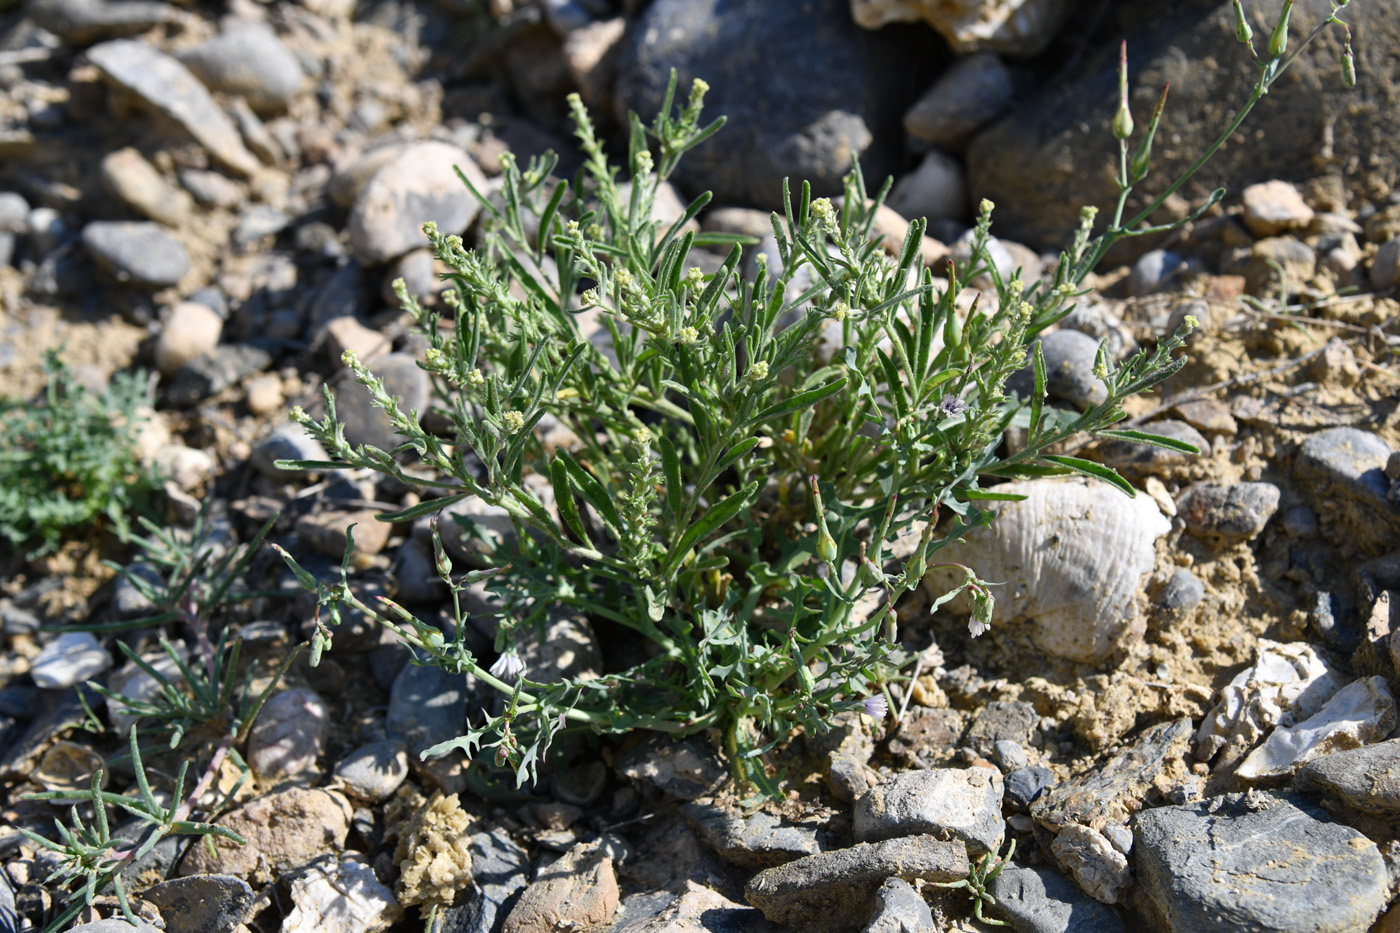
<point x="201" y="904"/>
<point x="835" y="891"/>
<point x="1107" y="794"/>
<point x="974" y="91"/>
<point x="1257" y="862"/>
<point x="1366" y="779"/>
<point x="326" y="532"/>
<point x="500" y="871"/>
<point x="265" y="394"/>
<point x="1009" y="755"/>
<point x="285" y="442"/>
<point x="213" y="372"/>
<point x="340" y="295"/>
<point x="758" y="840"/>
<point x="1072" y="556"/>
<point x="128" y="175"/>
<point x="1069" y="370"/>
<point x="1147" y="459"/>
<point x="1228" y="512"/>
<point x="82" y="22"/>
<point x="343" y="896"/>
<point x="134" y="683"/>
<point x="1016" y="27"/>
<point x="567" y="649"/>
<point x="367" y="424"/>
<point x="258" y="222"/>
<point x="947" y="803"/>
<point x="1183" y="590"/>
<point x="258" y="138"/>
<point x="168" y="86"/>
<point x="1024" y="786"/>
<point x="1038" y="900"/>
<point x="427" y="706"/>
<point x="190" y="331"/>
<point x="590" y="54"/>
<point x="1208" y="416"/>
<point x="844" y="752"/>
<point x="350" y="333"/>
<point x="577" y="890"/>
<point x="1295" y="258"/>
<point x="803" y="125"/>
<point x="137" y="251"/>
<point x="1054" y="152"/>
<point x="289" y="734"/>
<point x="71" y="658"/>
<point x="686" y="770"/>
<point x="935" y="189"/>
<point x="899" y="909"/>
<point x="1096" y="864"/>
<point x="996" y="253"/>
<point x="1361" y="712"/>
<point x="694" y="908"/>
<point x="1300" y="522"/>
<point x="247" y="58"/>
<point x="418" y="269"/>
<point x="1155" y="270"/>
<point x="1343" y="470"/>
<point x="284" y="830"/>
<point x="114" y="925"/>
<point x="1274" y="207"/>
<point x="415" y="185"/>
<point x="210" y="188"/>
<point x="373" y="772"/>
<point x="55" y="711"/>
<point x="1385" y="267"/>
<point x="1001" y="720"/>
<point x="14" y="212"/>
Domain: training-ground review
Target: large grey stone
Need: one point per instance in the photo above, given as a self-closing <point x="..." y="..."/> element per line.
<point x="427" y="706"/>
<point x="948" y="803"/>
<point x="366" y="423"/>
<point x="80" y="22"/>
<point x="1229" y="512"/>
<point x="500" y="870"/>
<point x="1055" y="153"/>
<point x="803" y="89"/>
<point x="1367" y="778"/>
<point x="758" y="840"/>
<point x="202" y="903"/>
<point x="247" y="58"/>
<point x="1243" y="863"/>
<point x="1343" y="470"/>
<point x="137" y="251"/>
<point x="974" y="91"/>
<point x="168" y="86"/>
<point x="416" y="185"/>
<point x="1039" y="900"/>
<point x="899" y="909"/>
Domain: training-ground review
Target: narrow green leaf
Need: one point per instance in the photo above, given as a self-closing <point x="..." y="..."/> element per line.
<point x="592" y="491"/>
<point x="990" y="495"/>
<point x="1038" y="392"/>
<point x="1094" y="470"/>
<point x="1156" y="440"/>
<point x="671" y="469"/>
<point x="800" y="400"/>
<point x="734" y="453"/>
<point x="564" y="500"/>
<point x="708" y="521"/>
<point x="426" y="507"/>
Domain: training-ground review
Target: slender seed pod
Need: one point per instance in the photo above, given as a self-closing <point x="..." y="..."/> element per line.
<point x="1123" y="119"/>
<point x="1278" y="39"/>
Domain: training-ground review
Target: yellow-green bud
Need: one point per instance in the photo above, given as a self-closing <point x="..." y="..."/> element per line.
<point x="514" y="420"/>
<point x="985" y="207"/>
<point x="689" y="335"/>
<point x="1100" y="372"/>
<point x="840" y="310"/>
<point x="1123" y="119"/>
<point x="1191" y="322"/>
<point x="642" y="164"/>
<point x="694" y="277"/>
<point x="757" y="371"/>
<point x="1278" y="39"/>
<point x="349" y="358"/>
<point x="1243" y="32"/>
<point x="475" y="379"/>
<point x="1348" y="65"/>
<point x="572" y="228"/>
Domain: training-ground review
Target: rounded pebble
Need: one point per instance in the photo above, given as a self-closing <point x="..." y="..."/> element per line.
<point x="69" y="659"/>
<point x="374" y="771"/>
<point x="289" y="734"/>
<point x="138" y="251"/>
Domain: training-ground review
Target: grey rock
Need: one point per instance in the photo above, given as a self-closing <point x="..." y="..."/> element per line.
<point x="213" y="372"/>
<point x="16" y="620"/>
<point x="1001" y="720"/>
<point x="803" y="125"/>
<point x="1273" y="207"/>
<point x="248" y="59"/>
<point x="138" y="183"/>
<point x="364" y="422"/>
<point x="10" y="920"/>
<point x="1069" y="370"/>
<point x="1155" y="270"/>
<point x="759" y="840"/>
<point x="1039" y="900"/>
<point x="202" y="903"/>
<point x="339" y="296"/>
<point x="935" y="188"/>
<point x="581" y="784"/>
<point x="1110" y="792"/>
<point x="472" y="530"/>
<point x="1256" y="862"/>
<point x="7" y="249"/>
<point x="55" y="711"/>
<point x="1366" y="779"/>
<point x="418" y="184"/>
<point x="695" y="908"/>
<point x="835" y="891"/>
<point x="211" y="188"/>
<point x="1229" y="512"/>
<point x="1385" y="268"/>
<point x="686" y="770"/>
<point x="81" y="22"/>
<point x="190" y="330"/>
<point x="1054" y="152"/>
<point x="1023" y="786"/>
<point x="418" y="270"/>
<point x="137" y="251"/>
<point x="1009" y="755"/>
<point x="46" y="229"/>
<point x="844" y="752"/>
<point x="1182" y="591"/>
<point x="947" y="803"/>
<point x="416" y="573"/>
<point x="71" y="658"/>
<point x="501" y="870"/>
<point x="579" y="890"/>
<point x="259" y="221"/>
<point x="899" y="909"/>
<point x="373" y="772"/>
<point x="567" y="648"/>
<point x="1148" y="459"/>
<point x="1333" y="615"/>
<point x="1343" y="470"/>
<point x="1297" y="260"/>
<point x="289" y="734"/>
<point x="168" y="86"/>
<point x="114" y="925"/>
<point x="259" y="139"/>
<point x="285" y="442"/>
<point x="997" y="253"/>
<point x="974" y="91"/>
<point x="1300" y="521"/>
<point x="427" y="706"/>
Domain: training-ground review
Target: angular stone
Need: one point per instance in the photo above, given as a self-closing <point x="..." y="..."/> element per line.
<point x="213" y="372"/>
<point x="686" y="770"/>
<point x="373" y="772"/>
<point x="1039" y="900"/>
<point x="1016" y="27"/>
<point x="289" y="734"/>
<point x="285" y="442"/>
<point x="427" y="706"/>
<point x="1257" y="862"/>
<point x="1182" y="591"/>
<point x="366" y="423"/>
<point x="1343" y="470"/>
<point x="137" y="251"/>
<point x="500" y="870"/>
<point x="71" y="658"/>
<point x="835" y="891"/>
<point x="416" y="185"/>
<point x="1001" y="720"/>
<point x="578" y="890"/>
<point x="1361" y="712"/>
<point x="168" y="86"/>
<point x="247" y="58"/>
<point x="899" y="909"/>
<point x="128" y="175"/>
<point x="1229" y="512"/>
<point x="759" y="840"/>
<point x="81" y="22"/>
<point x="343" y="896"/>
<point x="946" y="803"/>
<point x="284" y="831"/>
<point x="1273" y="207"/>
<point x="1366" y="778"/>
<point x="974" y="91"/>
<point x="202" y="903"/>
<point x="694" y="908"/>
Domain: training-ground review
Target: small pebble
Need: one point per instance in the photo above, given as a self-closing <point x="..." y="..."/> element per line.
<point x="1182" y="591"/>
<point x="937" y="188"/>
<point x="265" y="394"/>
<point x="191" y="330"/>
<point x="137" y="251"/>
<point x="1272" y="207"/>
<point x="373" y="772"/>
<point x="69" y="659"/>
<point x="289" y="734"/>
<point x="1025" y="785"/>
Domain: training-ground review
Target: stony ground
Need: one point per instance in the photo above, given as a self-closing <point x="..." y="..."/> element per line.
<point x="1183" y="714"/>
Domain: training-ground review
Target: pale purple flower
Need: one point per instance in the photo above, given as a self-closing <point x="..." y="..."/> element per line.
<point x="877" y="706"/>
<point x="508" y="666"/>
<point x="952" y="406"/>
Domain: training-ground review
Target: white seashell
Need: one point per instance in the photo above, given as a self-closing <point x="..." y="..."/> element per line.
<point x="1360" y="713"/>
<point x="1288" y="683"/>
<point x="1071" y="557"/>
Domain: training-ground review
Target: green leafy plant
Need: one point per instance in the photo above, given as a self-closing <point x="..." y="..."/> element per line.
<point x="747" y="452"/>
<point x="91" y="859"/>
<point x="980" y="875"/>
<point x="71" y="458"/>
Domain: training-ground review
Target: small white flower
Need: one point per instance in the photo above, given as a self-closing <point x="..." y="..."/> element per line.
<point x="514" y="420"/>
<point x="508" y="667"/>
